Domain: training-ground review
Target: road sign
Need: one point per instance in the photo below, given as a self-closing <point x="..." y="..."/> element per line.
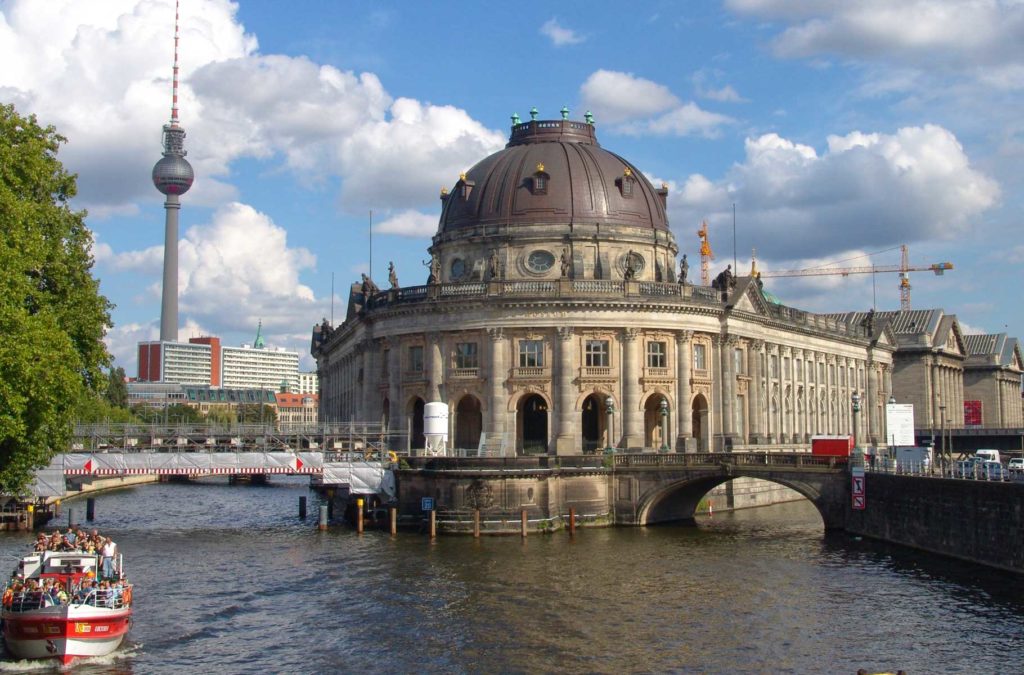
<point x="427" y="504"/>
<point x="858" y="485"/>
<point x="859" y="502"/>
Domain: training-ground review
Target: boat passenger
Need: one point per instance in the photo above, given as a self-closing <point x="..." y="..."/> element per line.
<point x="108" y="551"/>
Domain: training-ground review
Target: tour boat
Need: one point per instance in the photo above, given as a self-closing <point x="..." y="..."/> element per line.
<point x="87" y="619"/>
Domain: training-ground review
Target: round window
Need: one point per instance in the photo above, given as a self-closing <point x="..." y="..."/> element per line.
<point x="540" y="261"/>
<point x="631" y="264"/>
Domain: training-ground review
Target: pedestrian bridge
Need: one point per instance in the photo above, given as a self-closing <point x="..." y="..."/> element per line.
<point x="352" y="471"/>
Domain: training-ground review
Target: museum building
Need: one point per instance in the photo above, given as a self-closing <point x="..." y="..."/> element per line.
<point x="554" y="321"/>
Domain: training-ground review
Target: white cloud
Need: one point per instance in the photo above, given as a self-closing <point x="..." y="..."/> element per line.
<point x="616" y="97"/>
<point x="724" y="94"/>
<point x="100" y="72"/>
<point x="958" y="34"/>
<point x="636" y="106"/>
<point x="122" y="343"/>
<point x="559" y="35"/>
<point x="409" y="223"/>
<point x="865" y="191"/>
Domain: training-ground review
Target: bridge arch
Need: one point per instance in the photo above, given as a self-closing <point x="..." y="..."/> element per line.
<point x="676" y="500"/>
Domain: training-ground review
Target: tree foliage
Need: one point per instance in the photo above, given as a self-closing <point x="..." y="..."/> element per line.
<point x="52" y="316"/>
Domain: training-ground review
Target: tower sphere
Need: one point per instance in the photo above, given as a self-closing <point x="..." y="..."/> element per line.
<point x="173" y="175"/>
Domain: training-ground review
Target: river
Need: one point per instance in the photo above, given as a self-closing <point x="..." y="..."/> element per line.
<point x="229" y="580"/>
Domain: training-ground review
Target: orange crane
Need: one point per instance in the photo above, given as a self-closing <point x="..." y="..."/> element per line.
<point x="904" y="268"/>
<point x="706" y="254"/>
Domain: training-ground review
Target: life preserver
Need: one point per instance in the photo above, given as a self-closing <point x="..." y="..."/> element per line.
<point x="393" y="456"/>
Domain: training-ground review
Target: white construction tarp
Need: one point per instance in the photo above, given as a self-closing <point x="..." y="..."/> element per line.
<point x="361" y="478"/>
<point x="49" y="482"/>
<point x="191" y="463"/>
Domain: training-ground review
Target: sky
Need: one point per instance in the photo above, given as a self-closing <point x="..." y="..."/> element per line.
<point x="321" y="133"/>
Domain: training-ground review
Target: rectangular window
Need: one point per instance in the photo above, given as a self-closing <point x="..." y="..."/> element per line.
<point x="465" y="355"/>
<point x="775" y="366"/>
<point x="416" y="359"/>
<point x="656" y="355"/>
<point x="531" y="353"/>
<point x="821" y="373"/>
<point x="737" y="361"/>
<point x="799" y="369"/>
<point x="785" y="367"/>
<point x="597" y="354"/>
<point x="700" y="357"/>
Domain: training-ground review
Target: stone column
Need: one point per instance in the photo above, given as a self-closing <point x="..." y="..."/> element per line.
<point x="396" y="409"/>
<point x="755" y="421"/>
<point x="786" y="383"/>
<point x="566" y="442"/>
<point x="684" y="414"/>
<point x="632" y="416"/>
<point x="436" y="366"/>
<point x="496" y="377"/>
<point x="727" y="377"/>
<point x="368" y="394"/>
<point x="874" y="425"/>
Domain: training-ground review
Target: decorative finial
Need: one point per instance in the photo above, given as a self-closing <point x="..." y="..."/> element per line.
<point x="533" y="113"/>
<point x="444" y="191"/>
<point x="664" y="185"/>
<point x="540" y="167"/>
<point x="515" y="119"/>
<point x="628" y="172"/>
<point x="565" y="112"/>
<point x="462" y="176"/>
<point x="589" y="117"/>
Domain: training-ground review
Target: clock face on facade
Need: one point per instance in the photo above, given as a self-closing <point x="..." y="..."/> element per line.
<point x="540" y="261"/>
<point x="458" y="268"/>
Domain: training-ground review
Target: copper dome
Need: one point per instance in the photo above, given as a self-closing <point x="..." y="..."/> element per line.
<point x="553" y="172"/>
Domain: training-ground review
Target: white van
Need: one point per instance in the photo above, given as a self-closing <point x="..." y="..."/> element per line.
<point x="988" y="455"/>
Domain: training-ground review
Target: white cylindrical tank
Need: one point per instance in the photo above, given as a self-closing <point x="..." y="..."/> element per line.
<point x="435" y="419"/>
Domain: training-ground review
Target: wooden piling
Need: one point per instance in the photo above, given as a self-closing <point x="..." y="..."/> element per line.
<point x="393" y="517"/>
<point x="572" y="521"/>
<point x="476" y="523"/>
<point x="433" y="524"/>
<point x="359" y="515"/>
<point x="523" y="523"/>
<point x="71" y="517"/>
<point x="302" y="508"/>
<point x="323" y="517"/>
<point x="90" y="508"/>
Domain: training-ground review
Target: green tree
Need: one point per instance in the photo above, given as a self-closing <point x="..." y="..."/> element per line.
<point x="256" y="413"/>
<point x="52" y="316"/>
<point x="117" y="391"/>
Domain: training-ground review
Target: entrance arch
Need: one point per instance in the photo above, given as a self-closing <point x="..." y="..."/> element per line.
<point x="415" y="415"/>
<point x="701" y="432"/>
<point x="594" y="423"/>
<point x="468" y="422"/>
<point x="532" y="424"/>
<point x="652" y="421"/>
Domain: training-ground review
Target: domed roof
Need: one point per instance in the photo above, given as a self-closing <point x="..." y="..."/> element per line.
<point x="553" y="172"/>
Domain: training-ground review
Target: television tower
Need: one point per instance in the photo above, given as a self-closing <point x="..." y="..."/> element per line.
<point x="172" y="176"/>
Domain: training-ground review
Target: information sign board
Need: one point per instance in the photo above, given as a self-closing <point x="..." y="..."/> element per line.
<point x="899" y="424"/>
<point x="426" y="503"/>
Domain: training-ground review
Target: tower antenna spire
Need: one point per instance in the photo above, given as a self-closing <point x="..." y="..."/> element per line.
<point x="174" y="86"/>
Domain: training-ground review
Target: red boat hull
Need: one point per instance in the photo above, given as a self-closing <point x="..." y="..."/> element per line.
<point x="65" y="633"/>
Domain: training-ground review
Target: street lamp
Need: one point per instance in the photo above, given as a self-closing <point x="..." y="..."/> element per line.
<point x="855" y="400"/>
<point x="609" y="406"/>
<point x="664" y="425"/>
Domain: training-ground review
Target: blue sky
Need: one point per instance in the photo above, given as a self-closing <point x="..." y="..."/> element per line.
<point x="837" y="129"/>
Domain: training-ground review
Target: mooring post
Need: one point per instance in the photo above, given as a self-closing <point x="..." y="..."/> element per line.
<point x="359" y="515"/>
<point x="302" y="508"/>
<point x="71" y="517"/>
<point x="393" y="516"/>
<point x="433" y="524"/>
<point x="330" y="507"/>
<point x="476" y="523"/>
<point x="572" y="521"/>
<point x="523" y="523"/>
<point x="323" y="516"/>
<point x="56" y="509"/>
<point x="90" y="508"/>
<point x="31" y="518"/>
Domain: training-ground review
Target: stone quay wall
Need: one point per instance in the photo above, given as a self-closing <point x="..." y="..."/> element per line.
<point x="979" y="521"/>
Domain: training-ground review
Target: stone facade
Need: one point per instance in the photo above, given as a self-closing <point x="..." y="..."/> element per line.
<point x="553" y="318"/>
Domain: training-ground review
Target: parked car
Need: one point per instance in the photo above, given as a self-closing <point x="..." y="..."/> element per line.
<point x="992" y="470"/>
<point x="1016" y="465"/>
<point x="992" y="455"/>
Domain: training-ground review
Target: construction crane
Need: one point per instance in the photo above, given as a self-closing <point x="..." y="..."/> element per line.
<point x="904" y="269"/>
<point x="706" y="254"/>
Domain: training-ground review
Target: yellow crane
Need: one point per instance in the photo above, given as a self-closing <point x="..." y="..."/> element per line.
<point x="706" y="254"/>
<point x="904" y="269"/>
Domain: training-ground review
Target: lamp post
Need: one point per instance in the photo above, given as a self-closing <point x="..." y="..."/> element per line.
<point x="664" y="425"/>
<point x="892" y="436"/>
<point x="609" y="406"/>
<point x="855" y="400"/>
<point x="942" y="437"/>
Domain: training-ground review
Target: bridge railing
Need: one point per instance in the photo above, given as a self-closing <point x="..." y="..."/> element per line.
<point x="714" y="459"/>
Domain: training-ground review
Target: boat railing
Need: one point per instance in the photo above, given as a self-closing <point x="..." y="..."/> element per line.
<point x="29" y="600"/>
